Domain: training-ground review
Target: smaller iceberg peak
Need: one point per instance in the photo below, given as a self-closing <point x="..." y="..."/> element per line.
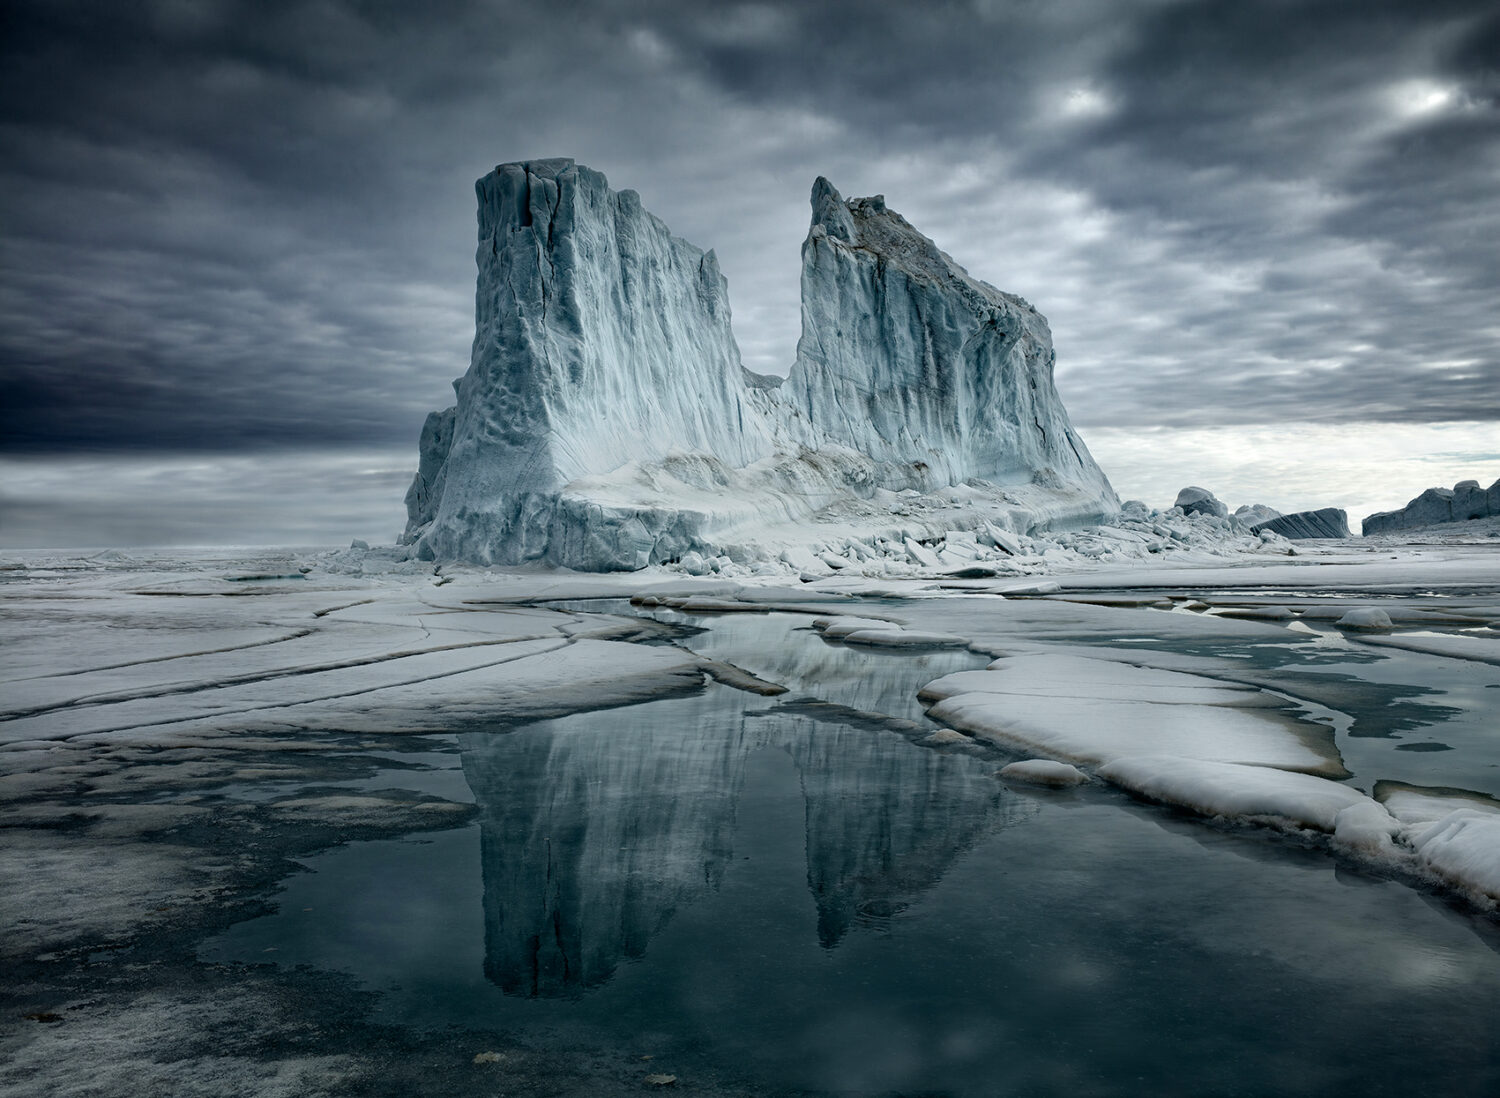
<point x="908" y="359"/>
<point x="830" y="212"/>
<point x="868" y="224"/>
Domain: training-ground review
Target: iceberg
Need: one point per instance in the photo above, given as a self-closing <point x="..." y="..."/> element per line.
<point x="1327" y="522"/>
<point x="606" y="421"/>
<point x="1253" y="514"/>
<point x="1200" y="501"/>
<point x="1464" y="501"/>
<point x="906" y="358"/>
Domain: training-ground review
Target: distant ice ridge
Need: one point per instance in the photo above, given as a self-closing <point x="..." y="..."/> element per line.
<point x="1326" y="522"/>
<point x="606" y="421"/>
<point x="1464" y="501"/>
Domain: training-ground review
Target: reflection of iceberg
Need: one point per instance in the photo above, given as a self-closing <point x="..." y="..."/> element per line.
<point x="885" y="819"/>
<point x="593" y="829"/>
<point x="596" y="827"/>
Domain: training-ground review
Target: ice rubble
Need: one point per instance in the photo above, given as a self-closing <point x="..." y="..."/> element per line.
<point x="1254" y="514"/>
<point x="606" y="422"/>
<point x="1194" y="500"/>
<point x="1455" y="833"/>
<point x="1365" y="619"/>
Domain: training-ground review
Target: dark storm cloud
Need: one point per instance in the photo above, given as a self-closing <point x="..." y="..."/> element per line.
<point x="245" y="224"/>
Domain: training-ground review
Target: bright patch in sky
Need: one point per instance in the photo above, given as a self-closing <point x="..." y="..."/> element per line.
<point x="1415" y="98"/>
<point x="1081" y="102"/>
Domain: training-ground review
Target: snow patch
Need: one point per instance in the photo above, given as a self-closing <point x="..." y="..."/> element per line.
<point x="1048" y="772"/>
<point x="1234" y="790"/>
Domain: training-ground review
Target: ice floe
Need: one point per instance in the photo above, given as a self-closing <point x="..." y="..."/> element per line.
<point x="1464" y="848"/>
<point x="1365" y="619"/>
<point x="1094" y="731"/>
<point x="1048" y="772"/>
<point x="1235" y="791"/>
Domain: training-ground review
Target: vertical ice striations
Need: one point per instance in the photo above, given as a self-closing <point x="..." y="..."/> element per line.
<point x="908" y="359"/>
<point x="606" y="422"/>
<point x="600" y="339"/>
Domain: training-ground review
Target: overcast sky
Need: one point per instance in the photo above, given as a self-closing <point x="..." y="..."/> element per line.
<point x="246" y="226"/>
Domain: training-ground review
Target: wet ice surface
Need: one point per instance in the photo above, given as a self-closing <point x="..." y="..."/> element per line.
<point x="787" y="890"/>
<point x="794" y="891"/>
<point x="1073" y="945"/>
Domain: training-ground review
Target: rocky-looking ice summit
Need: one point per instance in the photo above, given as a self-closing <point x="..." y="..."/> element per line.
<point x="606" y="422"/>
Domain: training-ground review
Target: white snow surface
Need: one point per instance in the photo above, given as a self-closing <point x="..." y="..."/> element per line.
<point x="1048" y="772"/>
<point x="1365" y="619"/>
<point x="1233" y="790"/>
<point x="333" y="654"/>
<point x="1464" y="848"/>
<point x="1095" y="731"/>
<point x="1093" y="711"/>
<point x="606" y="422"/>
<point x="1455" y="833"/>
<point x="840" y="627"/>
<point x="1418" y="807"/>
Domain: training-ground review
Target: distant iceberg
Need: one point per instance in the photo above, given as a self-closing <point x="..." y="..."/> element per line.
<point x="1326" y="522"/>
<point x="606" y="421"/>
<point x="1464" y="501"/>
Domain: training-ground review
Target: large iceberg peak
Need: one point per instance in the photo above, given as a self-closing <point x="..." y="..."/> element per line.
<point x="600" y="340"/>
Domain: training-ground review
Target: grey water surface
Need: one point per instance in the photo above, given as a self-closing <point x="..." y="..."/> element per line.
<point x="797" y="893"/>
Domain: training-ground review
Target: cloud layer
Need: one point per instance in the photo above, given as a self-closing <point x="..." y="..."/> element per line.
<point x="247" y="225"/>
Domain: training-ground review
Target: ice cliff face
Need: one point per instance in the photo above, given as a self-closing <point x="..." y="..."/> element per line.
<point x="605" y="421"/>
<point x="600" y="339"/>
<point x="906" y="358"/>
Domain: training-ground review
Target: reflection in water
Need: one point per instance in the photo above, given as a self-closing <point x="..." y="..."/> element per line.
<point x="784" y="649"/>
<point x="596" y="828"/>
<point x="822" y="905"/>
